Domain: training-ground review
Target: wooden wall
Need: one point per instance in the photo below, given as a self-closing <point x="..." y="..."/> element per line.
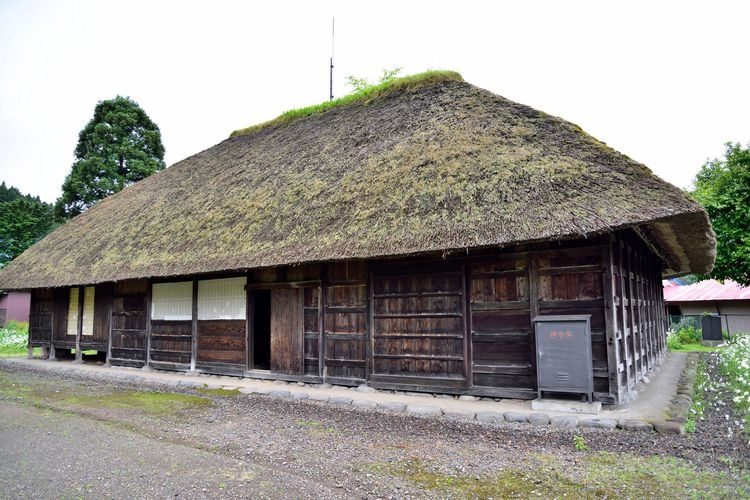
<point x="418" y="325"/>
<point x="40" y="317"/>
<point x="129" y="323"/>
<point x="345" y="322"/>
<point x="502" y="339"/>
<point x="459" y="325"/>
<point x="635" y="317"/>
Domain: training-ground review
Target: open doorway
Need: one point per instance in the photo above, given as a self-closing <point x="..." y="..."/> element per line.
<point x="262" y="330"/>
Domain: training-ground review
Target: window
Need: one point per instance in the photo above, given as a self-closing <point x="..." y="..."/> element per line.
<point x="73" y="312"/>
<point x="88" y="311"/>
<point x="221" y="299"/>
<point x="172" y="301"/>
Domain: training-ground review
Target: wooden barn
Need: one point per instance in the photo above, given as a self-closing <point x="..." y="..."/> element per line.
<point x="406" y="239"/>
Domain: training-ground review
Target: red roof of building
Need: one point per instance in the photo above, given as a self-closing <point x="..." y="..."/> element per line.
<point x="706" y="290"/>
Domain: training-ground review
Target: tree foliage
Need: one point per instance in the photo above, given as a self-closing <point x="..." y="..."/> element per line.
<point x="723" y="187"/>
<point x="23" y="221"/>
<point x="119" y="146"/>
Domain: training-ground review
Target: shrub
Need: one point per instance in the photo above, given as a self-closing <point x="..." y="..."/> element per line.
<point x="673" y="342"/>
<point x="14" y="337"/>
<point x="734" y="364"/>
<point x="689" y="335"/>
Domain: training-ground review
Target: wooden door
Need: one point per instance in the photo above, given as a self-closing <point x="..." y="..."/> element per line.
<point x="287" y="331"/>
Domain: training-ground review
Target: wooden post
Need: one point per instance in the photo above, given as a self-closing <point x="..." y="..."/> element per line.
<point x="610" y="320"/>
<point x="194" y="328"/>
<point x="321" y="324"/>
<point x="108" y="363"/>
<point x="466" y="310"/>
<point x="369" y="323"/>
<point x="249" y="325"/>
<point x="533" y="312"/>
<point x="79" y="326"/>
<point x="147" y="366"/>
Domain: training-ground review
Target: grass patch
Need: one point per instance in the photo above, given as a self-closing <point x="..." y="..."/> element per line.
<point x="363" y="95"/>
<point x="218" y="392"/>
<point x="599" y="474"/>
<point x="693" y="348"/>
<point x="46" y="394"/>
<point x="150" y="403"/>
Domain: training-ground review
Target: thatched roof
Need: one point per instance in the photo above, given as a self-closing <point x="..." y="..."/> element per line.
<point x="433" y="165"/>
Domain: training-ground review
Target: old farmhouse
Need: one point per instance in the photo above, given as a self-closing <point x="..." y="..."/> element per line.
<point x="406" y="239"/>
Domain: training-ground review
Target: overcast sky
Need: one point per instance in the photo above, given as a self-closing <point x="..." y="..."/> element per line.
<point x="665" y="83"/>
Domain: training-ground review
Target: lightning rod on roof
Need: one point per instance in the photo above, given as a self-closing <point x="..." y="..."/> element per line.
<point x="331" y="68"/>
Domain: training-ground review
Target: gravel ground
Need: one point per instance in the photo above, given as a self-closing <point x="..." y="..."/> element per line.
<point x="347" y="449"/>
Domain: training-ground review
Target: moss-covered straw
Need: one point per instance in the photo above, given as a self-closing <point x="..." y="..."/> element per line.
<point x="427" y="163"/>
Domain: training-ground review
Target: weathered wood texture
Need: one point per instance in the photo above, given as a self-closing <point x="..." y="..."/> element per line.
<point x="418" y="326"/>
<point x="312" y="330"/>
<point x="103" y="297"/>
<point x="636" y="310"/>
<point x="129" y="323"/>
<point x="171" y="342"/>
<point x="345" y="321"/>
<point x="222" y="341"/>
<point x="41" y="316"/>
<point x="287" y="331"/>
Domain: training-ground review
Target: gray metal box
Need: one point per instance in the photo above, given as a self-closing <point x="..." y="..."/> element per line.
<point x="563" y="354"/>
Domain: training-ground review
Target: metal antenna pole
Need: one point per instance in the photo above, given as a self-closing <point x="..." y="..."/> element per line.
<point x="331" y="69"/>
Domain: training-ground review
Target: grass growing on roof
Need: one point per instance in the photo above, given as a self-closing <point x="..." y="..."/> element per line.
<point x="365" y="94"/>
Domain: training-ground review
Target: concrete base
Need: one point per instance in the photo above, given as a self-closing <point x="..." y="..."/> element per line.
<point x="712" y="343"/>
<point x="564" y="405"/>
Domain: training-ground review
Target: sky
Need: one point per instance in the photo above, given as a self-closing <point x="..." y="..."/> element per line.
<point x="665" y="83"/>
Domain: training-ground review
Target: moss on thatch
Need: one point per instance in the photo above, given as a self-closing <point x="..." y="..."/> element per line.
<point x="439" y="165"/>
<point x="364" y="95"/>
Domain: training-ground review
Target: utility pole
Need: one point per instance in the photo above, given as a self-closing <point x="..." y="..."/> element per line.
<point x="330" y="88"/>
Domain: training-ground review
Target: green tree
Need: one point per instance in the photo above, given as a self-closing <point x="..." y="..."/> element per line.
<point x="119" y="146"/>
<point x="23" y="221"/>
<point x="723" y="187"/>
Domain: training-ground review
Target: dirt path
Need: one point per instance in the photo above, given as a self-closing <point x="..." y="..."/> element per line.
<point x="47" y="454"/>
<point x="75" y="437"/>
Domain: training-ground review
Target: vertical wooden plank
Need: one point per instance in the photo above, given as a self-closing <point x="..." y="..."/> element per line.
<point x="631" y="315"/>
<point x="533" y="312"/>
<point x="79" y="326"/>
<point x="194" y="328"/>
<point x="369" y="337"/>
<point x="321" y="327"/>
<point x="287" y="331"/>
<point x="249" y="327"/>
<point x="467" y="347"/>
<point x="147" y="366"/>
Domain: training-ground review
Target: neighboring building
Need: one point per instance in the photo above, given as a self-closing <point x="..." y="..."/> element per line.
<point x="406" y="241"/>
<point x="729" y="300"/>
<point x="14" y="306"/>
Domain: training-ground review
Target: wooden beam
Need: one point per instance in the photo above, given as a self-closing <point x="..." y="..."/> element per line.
<point x="468" y="352"/>
<point x="533" y="313"/>
<point x="79" y="326"/>
<point x="194" y="328"/>
<point x="149" y="298"/>
<point x="282" y="284"/>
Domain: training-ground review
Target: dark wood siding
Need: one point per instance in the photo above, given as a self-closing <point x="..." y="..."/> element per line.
<point x="103" y="296"/>
<point x="171" y="343"/>
<point x="570" y="282"/>
<point x="128" y="321"/>
<point x="287" y="331"/>
<point x="501" y="330"/>
<point x="222" y="341"/>
<point x="345" y="322"/>
<point x="418" y="325"/>
<point x="41" y="317"/>
<point x="312" y="330"/>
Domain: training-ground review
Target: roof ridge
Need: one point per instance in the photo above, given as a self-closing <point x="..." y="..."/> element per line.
<point x="365" y="95"/>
